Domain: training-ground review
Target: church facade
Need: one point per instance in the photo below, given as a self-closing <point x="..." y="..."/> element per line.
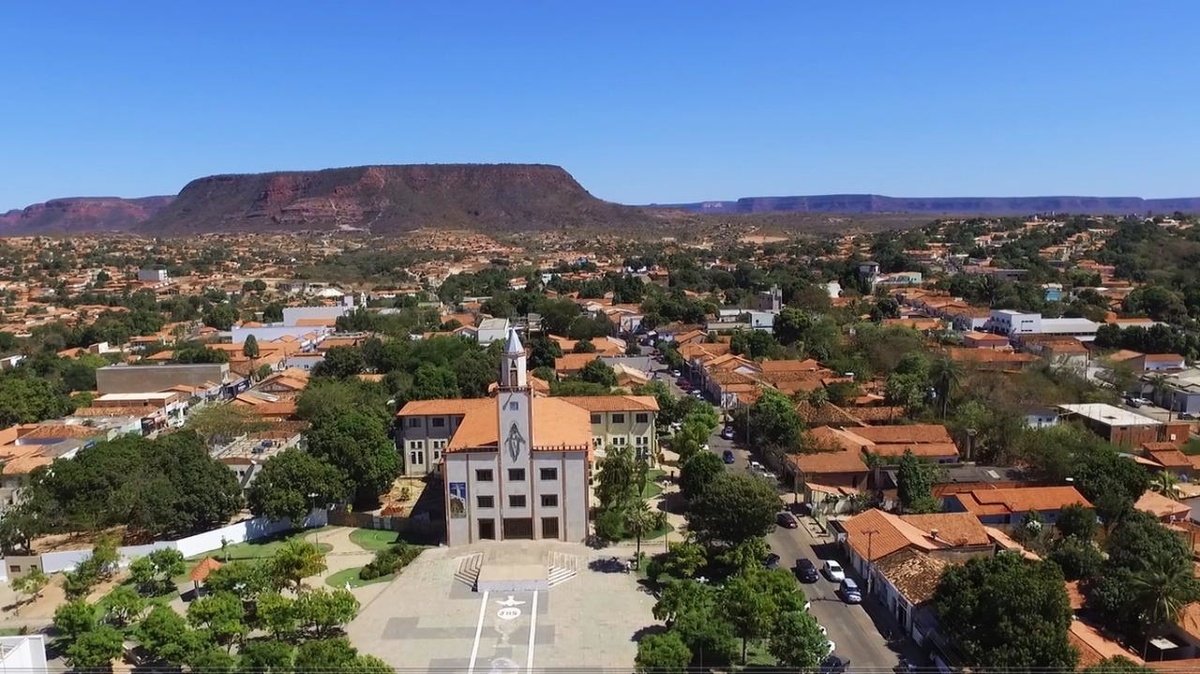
<point x="516" y="466"/>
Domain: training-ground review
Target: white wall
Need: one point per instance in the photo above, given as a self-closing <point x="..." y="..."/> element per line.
<point x="270" y="333"/>
<point x="293" y="314"/>
<point x="25" y="654"/>
<point x="249" y="530"/>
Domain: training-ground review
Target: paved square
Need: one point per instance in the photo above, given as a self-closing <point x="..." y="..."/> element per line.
<point x="427" y="619"/>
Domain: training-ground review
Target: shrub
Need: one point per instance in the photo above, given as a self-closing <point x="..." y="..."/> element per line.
<point x="391" y="560"/>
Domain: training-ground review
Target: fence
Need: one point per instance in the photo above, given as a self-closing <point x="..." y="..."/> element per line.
<point x="417" y="528"/>
<point x="248" y="530"/>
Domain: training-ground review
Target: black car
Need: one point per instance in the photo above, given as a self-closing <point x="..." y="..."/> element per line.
<point x="806" y="571"/>
<point x="833" y="665"/>
<point x="771" y="561"/>
<point x="787" y="520"/>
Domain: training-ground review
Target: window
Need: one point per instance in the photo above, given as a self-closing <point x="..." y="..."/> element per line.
<point x="514" y="405"/>
<point x="516" y="501"/>
<point x="641" y="441"/>
<point x="642" y="418"/>
<point x="618" y="441"/>
<point x="596" y="442"/>
<point x="438" y="422"/>
<point x="418" y="445"/>
<point x="549" y="500"/>
<point x="436" y="455"/>
<point x="414" y="422"/>
<point x="548" y="473"/>
<point x="416" y="458"/>
<point x="516" y="474"/>
<point x="439" y="444"/>
<point x="618" y="418"/>
<point x="485" y="501"/>
<point x="483" y="475"/>
<point x="596" y="418"/>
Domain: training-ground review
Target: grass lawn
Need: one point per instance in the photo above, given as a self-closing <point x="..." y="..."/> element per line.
<point x="757" y="655"/>
<point x="10" y="631"/>
<point x="373" y="540"/>
<point x="263" y="547"/>
<point x="652" y="488"/>
<point x="344" y="576"/>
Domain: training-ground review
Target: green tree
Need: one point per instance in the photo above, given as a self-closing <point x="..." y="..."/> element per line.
<point x="122" y="606"/>
<point x="212" y="660"/>
<point x="598" y="372"/>
<point x="154" y="574"/>
<point x="295" y="561"/>
<point x="221" y="424"/>
<point x="1118" y="665"/>
<point x="321" y="656"/>
<point x="1162" y="590"/>
<point x="796" y="641"/>
<point x="915" y="485"/>
<point x="340" y="362"/>
<point x="663" y="652"/>
<point x="1078" y="558"/>
<point x="1077" y="521"/>
<point x="27" y="400"/>
<point x="220" y="316"/>
<point x="734" y="508"/>
<point x="684" y="560"/>
<point x="73" y="619"/>
<point x="249" y="580"/>
<point x="276" y="614"/>
<point x="324" y="612"/>
<point x="620" y="477"/>
<point x="222" y="615"/>
<point x="946" y="375"/>
<point x="357" y="445"/>
<point x="292" y="483"/>
<point x="250" y="348"/>
<point x="267" y="656"/>
<point x="30" y="585"/>
<point x="698" y="472"/>
<point x="975" y="603"/>
<point x="166" y="637"/>
<point x="773" y="421"/>
<point x="584" y="346"/>
<point x="95" y="650"/>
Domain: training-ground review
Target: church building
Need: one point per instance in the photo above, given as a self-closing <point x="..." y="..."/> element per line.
<point x="514" y="466"/>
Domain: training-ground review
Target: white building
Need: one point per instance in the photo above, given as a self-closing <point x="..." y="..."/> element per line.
<point x="1016" y="323"/>
<point x="25" y="654"/>
<point x="516" y="466"/>
<point x="152" y="275"/>
<point x="491" y="330"/>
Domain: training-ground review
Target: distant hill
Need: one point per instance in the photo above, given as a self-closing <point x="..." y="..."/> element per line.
<point x="81" y="215"/>
<point x="386" y="199"/>
<point x="874" y="203"/>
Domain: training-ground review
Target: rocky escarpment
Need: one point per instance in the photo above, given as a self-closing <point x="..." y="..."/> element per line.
<point x="383" y="199"/>
<point x="874" y="203"/>
<point x="81" y="215"/>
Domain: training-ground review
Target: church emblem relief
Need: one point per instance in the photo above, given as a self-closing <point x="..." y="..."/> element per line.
<point x="515" y="442"/>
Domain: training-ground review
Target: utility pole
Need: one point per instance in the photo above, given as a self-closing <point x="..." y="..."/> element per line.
<point x="870" y="540"/>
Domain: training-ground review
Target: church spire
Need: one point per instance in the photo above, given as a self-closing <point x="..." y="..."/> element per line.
<point x="513" y="373"/>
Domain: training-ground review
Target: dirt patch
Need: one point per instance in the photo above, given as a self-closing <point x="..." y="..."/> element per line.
<point x="760" y="240"/>
<point x="405" y="493"/>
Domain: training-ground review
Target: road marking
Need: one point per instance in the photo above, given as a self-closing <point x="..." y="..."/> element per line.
<point x="478" y="632"/>
<point x="532" y="633"/>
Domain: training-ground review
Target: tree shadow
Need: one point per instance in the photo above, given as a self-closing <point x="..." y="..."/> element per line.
<point x="673" y="502"/>
<point x="648" y="630"/>
<point x="609" y="565"/>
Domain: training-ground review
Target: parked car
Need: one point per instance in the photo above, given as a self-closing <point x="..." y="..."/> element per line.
<point x="1187" y="416"/>
<point x="833" y="665"/>
<point x="727" y="433"/>
<point x="675" y="373"/>
<point x="756" y="466"/>
<point x="787" y="520"/>
<point x="850" y="592"/>
<point x="771" y="561"/>
<point x="768" y="475"/>
<point x="833" y="571"/>
<point x="727" y="456"/>
<point x="806" y="571"/>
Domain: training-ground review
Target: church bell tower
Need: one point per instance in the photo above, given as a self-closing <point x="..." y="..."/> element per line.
<point x="514" y="404"/>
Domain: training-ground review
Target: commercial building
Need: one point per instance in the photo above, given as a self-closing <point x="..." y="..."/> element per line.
<point x="1014" y="323"/>
<point x="148" y="378"/>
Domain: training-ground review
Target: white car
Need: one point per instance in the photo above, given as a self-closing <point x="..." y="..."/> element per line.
<point x="754" y="465"/>
<point x="833" y="571"/>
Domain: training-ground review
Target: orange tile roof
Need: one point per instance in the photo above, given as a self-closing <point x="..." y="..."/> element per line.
<point x="556" y="424"/>
<point x="915" y="574"/>
<point x="204" y="568"/>
<point x="1019" y="500"/>
<point x="1160" y="506"/>
<point x="824" y="463"/>
<point x="445" y="407"/>
<point x="957" y="529"/>
<point x="571" y="362"/>
<point x="911" y="434"/>
<point x="1094" y="647"/>
<point x="613" y="403"/>
<point x="809" y="365"/>
<point x="921" y="451"/>
<point x="1074" y="595"/>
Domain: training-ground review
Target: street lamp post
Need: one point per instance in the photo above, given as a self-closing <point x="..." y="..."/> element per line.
<point x="312" y="505"/>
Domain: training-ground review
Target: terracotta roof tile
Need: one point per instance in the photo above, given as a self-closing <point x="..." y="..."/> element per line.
<point x="1094" y="647"/>
<point x="613" y="403"/>
<point x="1019" y="500"/>
<point x="913" y="573"/>
<point x="1160" y="506"/>
<point x="824" y="463"/>
<point x="911" y="434"/>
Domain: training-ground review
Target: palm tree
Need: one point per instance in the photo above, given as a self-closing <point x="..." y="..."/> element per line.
<point x="1165" y="483"/>
<point x="946" y="375"/>
<point x="1162" y="589"/>
<point x="638" y="521"/>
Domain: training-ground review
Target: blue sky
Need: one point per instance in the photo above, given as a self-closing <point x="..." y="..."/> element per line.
<point x="640" y="101"/>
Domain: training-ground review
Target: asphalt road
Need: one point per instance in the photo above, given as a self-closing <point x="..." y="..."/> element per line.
<point x="852" y="628"/>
